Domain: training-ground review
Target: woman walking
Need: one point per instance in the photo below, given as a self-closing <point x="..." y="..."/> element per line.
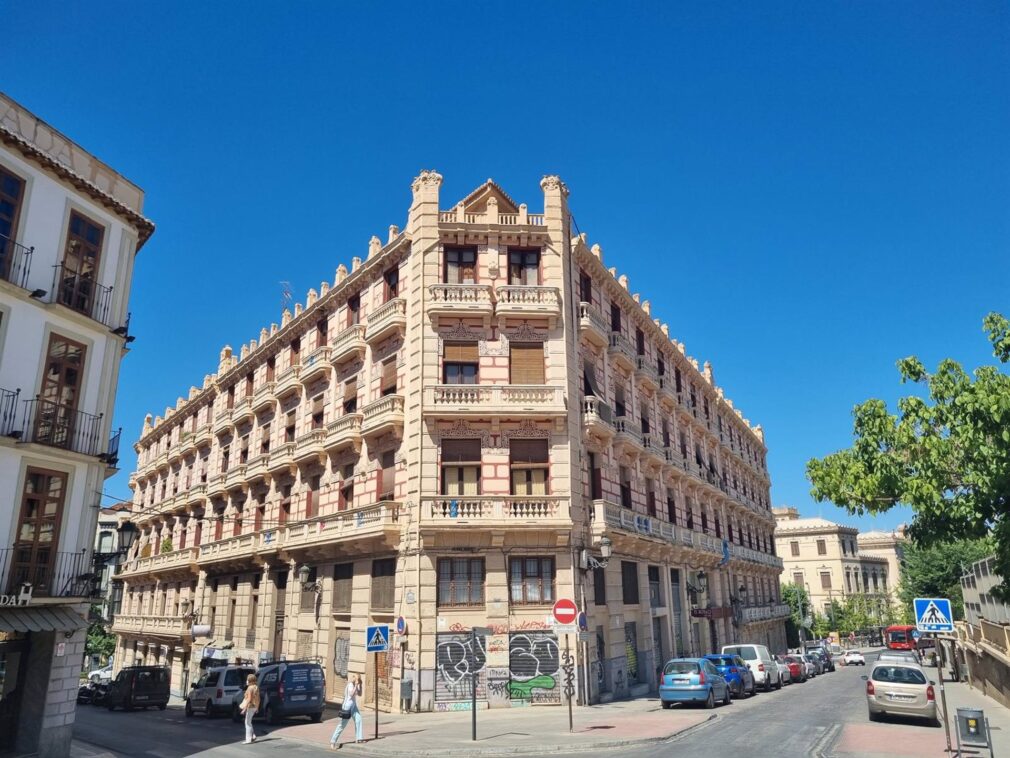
<point x="250" y="704"/>
<point x="349" y="710"/>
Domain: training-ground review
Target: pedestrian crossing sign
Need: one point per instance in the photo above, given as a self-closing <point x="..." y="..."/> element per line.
<point x="932" y="614"/>
<point x="377" y="639"/>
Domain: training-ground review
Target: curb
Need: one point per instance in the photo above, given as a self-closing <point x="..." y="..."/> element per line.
<point x="491" y="752"/>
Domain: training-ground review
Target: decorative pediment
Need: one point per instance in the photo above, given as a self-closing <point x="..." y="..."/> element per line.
<point x="462" y="429"/>
<point x="525" y="333"/>
<point x="476" y="201"/>
<point x="528" y="429"/>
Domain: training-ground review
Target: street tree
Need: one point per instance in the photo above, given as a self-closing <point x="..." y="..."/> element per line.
<point x="945" y="454"/>
<point x="936" y="571"/>
<point x="795" y="596"/>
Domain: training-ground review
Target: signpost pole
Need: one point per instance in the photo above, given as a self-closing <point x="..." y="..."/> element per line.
<point x="473" y="688"/>
<point x="375" y="689"/>
<point x="568" y="680"/>
<point x="943" y="692"/>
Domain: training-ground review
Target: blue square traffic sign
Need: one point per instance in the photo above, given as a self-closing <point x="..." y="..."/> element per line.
<point x="932" y="614"/>
<point x="377" y="639"/>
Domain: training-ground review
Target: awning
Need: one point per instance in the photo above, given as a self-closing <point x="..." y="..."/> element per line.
<point x="40" y="619"/>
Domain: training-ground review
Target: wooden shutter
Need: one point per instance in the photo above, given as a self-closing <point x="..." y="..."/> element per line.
<point x="389" y="375"/>
<point x="460" y="352"/>
<point x="461" y="451"/>
<point x="526" y="362"/>
<point x="528" y="451"/>
<point x="387" y="484"/>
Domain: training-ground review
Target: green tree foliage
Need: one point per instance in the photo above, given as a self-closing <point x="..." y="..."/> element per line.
<point x="935" y="571"/>
<point x="945" y="453"/>
<point x="796" y="598"/>
<point x="99" y="641"/>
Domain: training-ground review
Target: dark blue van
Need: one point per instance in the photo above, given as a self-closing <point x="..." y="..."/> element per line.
<point x="288" y="689"/>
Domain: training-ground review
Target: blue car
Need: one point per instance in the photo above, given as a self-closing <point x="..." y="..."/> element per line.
<point x="693" y="680"/>
<point x="735" y="671"/>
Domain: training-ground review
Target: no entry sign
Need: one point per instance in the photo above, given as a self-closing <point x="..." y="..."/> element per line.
<point x="565" y="611"/>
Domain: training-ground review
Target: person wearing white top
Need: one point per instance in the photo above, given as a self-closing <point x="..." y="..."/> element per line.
<point x="348" y="710"/>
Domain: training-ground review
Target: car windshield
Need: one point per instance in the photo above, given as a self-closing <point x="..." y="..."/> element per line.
<point x="747" y="653"/>
<point x="681" y="667"/>
<point x="898" y="675"/>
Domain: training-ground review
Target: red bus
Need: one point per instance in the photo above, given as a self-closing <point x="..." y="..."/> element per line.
<point x="899" y="637"/>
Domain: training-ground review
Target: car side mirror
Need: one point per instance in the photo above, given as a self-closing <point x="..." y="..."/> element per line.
<point x="932" y="682"/>
<point x="865" y="678"/>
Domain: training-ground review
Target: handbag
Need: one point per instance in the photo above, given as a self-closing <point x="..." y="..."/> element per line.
<point x="345" y="713"/>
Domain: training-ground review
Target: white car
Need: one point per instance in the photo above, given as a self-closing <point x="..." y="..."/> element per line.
<point x="102" y="675"/>
<point x="853" y="658"/>
<point x="761" y="663"/>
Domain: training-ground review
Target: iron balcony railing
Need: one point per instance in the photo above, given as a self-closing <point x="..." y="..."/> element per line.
<point x="81" y="293"/>
<point x="49" y="423"/>
<point x="8" y="411"/>
<point x="15" y="261"/>
<point x="50" y="573"/>
<point x="111" y="456"/>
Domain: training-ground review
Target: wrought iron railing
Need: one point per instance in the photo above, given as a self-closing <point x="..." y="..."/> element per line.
<point x="15" y="261"/>
<point x="81" y="293"/>
<point x="50" y="573"/>
<point x="8" y="410"/>
<point x="56" y="425"/>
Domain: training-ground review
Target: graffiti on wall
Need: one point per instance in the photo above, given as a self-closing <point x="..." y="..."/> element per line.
<point x="631" y="649"/>
<point x="341" y="653"/>
<point x="534" y="662"/>
<point x="458" y="659"/>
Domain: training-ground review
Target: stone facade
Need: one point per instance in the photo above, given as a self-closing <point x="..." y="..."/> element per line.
<point x="447" y="433"/>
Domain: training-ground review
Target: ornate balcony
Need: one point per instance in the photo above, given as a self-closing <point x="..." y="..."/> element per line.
<point x="316" y="365"/>
<point x="187" y="444"/>
<point x="526" y="301"/>
<point x="195" y="494"/>
<point x="350" y="343"/>
<point x="287" y="380"/>
<point x="263" y="397"/>
<point x="160" y="462"/>
<point x="343" y="432"/>
<point x="668" y="391"/>
<point x="242" y="411"/>
<point x="613" y="516"/>
<point x="202" y="435"/>
<point x="459" y="301"/>
<point x="222" y="420"/>
<point x="309" y="446"/>
<point x="597" y="419"/>
<point x="235" y="476"/>
<point x="378" y="520"/>
<point x="257" y="466"/>
<point x="622" y="351"/>
<point x="482" y="400"/>
<point x="655" y="453"/>
<point x="386" y="320"/>
<point x="215" y="485"/>
<point x="176" y="561"/>
<point x="628" y="435"/>
<point x="382" y="416"/>
<point x="282" y="457"/>
<point x="533" y="511"/>
<point x="645" y="373"/>
<point x="593" y="325"/>
<point x="459" y="215"/>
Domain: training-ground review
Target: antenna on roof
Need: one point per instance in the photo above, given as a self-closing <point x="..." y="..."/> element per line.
<point x="285" y="295"/>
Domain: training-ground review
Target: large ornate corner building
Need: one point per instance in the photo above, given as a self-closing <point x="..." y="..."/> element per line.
<point x="476" y="420"/>
<point x="70" y="227"/>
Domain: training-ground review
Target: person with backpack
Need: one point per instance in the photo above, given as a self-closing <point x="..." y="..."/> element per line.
<point x="348" y="710"/>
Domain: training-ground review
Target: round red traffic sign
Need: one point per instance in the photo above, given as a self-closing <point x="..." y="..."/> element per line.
<point x="565" y="611"/>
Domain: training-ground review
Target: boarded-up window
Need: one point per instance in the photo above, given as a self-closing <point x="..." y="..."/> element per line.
<point x="530" y="466"/>
<point x="461" y="467"/>
<point x="387" y="475"/>
<point x="526" y="363"/>
<point x="303" y="645"/>
<point x="629" y="582"/>
<point x="383" y="583"/>
<point x="388" y="386"/>
<point x="343" y="580"/>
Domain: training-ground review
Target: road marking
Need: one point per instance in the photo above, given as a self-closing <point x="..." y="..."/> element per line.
<point x="823" y="744"/>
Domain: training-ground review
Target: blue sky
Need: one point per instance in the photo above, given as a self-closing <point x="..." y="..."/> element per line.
<point x="805" y="191"/>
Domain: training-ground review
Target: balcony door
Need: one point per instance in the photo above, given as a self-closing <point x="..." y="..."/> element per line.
<point x="79" y="274"/>
<point x="38" y="532"/>
<point x="11" y="193"/>
<point x="56" y="415"/>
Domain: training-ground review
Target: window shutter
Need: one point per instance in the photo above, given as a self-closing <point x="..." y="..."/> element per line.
<point x="470" y="477"/>
<point x="460" y="352"/>
<point x="526" y="363"/>
<point x="528" y="451"/>
<point x="461" y="451"/>
<point x="389" y="374"/>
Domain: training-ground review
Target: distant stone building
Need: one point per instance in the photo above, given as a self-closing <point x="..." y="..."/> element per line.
<point x="473" y="421"/>
<point x="832" y="561"/>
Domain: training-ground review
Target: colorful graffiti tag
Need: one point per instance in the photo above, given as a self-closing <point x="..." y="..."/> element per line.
<point x="534" y="662"/>
<point x="458" y="659"/>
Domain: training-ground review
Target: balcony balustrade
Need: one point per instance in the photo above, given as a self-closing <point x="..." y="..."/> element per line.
<point x="386" y="320"/>
<point x="263" y="397"/>
<point x="15" y="262"/>
<point x="242" y="411"/>
<point x="216" y="485"/>
<point x="350" y="343"/>
<point x="222" y="420"/>
<point x="187" y="443"/>
<point x="8" y="411"/>
<point x="628" y="434"/>
<point x="460" y="216"/>
<point x="593" y="325"/>
<point x="597" y="418"/>
<point x="624" y="519"/>
<point x="374" y="520"/>
<point x="79" y="292"/>
<point x="282" y="457"/>
<point x="668" y="390"/>
<point x="460" y="300"/>
<point x="382" y="416"/>
<point x="155" y="626"/>
<point x="495" y="510"/>
<point x="645" y="373"/>
<point x="184" y="558"/>
<point x="257" y="466"/>
<point x="235" y="476"/>
<point x="343" y="432"/>
<point x="316" y="365"/>
<point x="195" y="493"/>
<point x="525" y="301"/>
<point x="309" y="446"/>
<point x="621" y="351"/>
<point x="287" y="380"/>
<point x="202" y="435"/>
<point x="483" y="400"/>
<point x="52" y="574"/>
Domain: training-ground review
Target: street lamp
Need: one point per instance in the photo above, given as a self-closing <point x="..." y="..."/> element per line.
<point x="606" y="550"/>
<point x="304" y="572"/>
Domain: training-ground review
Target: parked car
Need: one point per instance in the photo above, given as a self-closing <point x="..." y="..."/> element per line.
<point x="693" y="680"/>
<point x="809" y="668"/>
<point x="826" y="663"/>
<point x="101" y="675"/>
<point x="853" y="658"/>
<point x="797" y="670"/>
<point x="899" y="656"/>
<point x="760" y="662"/>
<point x="139" y="687"/>
<point x="785" y="675"/>
<point x="816" y="662"/>
<point x="900" y="689"/>
<point x="214" y="692"/>
<point x="734" y="670"/>
<point x="287" y="688"/>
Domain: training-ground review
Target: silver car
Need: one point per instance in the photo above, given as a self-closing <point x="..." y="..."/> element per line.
<point x="900" y="689"/>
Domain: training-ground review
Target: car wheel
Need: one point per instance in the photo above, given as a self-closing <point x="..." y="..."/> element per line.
<point x="710" y="700"/>
<point x="728" y="700"/>
<point x="667" y="706"/>
<point x="208" y="709"/>
<point x="778" y="684"/>
<point x="768" y="683"/>
<point x="315" y="718"/>
<point x="189" y="709"/>
<point x="163" y="706"/>
<point x="753" y="688"/>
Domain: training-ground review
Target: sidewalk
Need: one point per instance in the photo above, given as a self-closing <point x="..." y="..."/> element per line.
<point x="508" y="731"/>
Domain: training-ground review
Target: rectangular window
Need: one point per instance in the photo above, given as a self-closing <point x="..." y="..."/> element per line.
<point x="307" y="598"/>
<point x="347" y="488"/>
<point x="640" y="341"/>
<point x="794" y="548"/>
<point x="825" y="580"/>
<point x="595" y="478"/>
<point x="351" y="395"/>
<point x="271" y="368"/>
<point x="289" y="427"/>
<point x="585" y="287"/>
<point x="461" y="467"/>
<point x="11" y="194"/>
<point x="460" y="582"/>
<point x="38" y="531"/>
<point x="387" y="476"/>
<point x="526" y="363"/>
<point x="629" y="582"/>
<point x="625" y="477"/>
<point x="822" y="547"/>
<point x="619" y="407"/>
<point x="530" y="466"/>
<point x="650" y="497"/>
<point x="671" y="510"/>
<point x="56" y="421"/>
<point x="599" y="586"/>
<point x="460" y="265"/>
<point x="343" y="583"/>
<point x="460" y="363"/>
<point x="322" y="326"/>
<point x="388" y="385"/>
<point x="265" y="438"/>
<point x="383" y="583"/>
<point x="392" y="283"/>
<point x="78" y="272"/>
<point x="353" y="310"/>
<point x="318" y="415"/>
<point x="524" y="266"/>
<point x="615" y="317"/>
<point x="296" y="352"/>
<point x="531" y="581"/>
